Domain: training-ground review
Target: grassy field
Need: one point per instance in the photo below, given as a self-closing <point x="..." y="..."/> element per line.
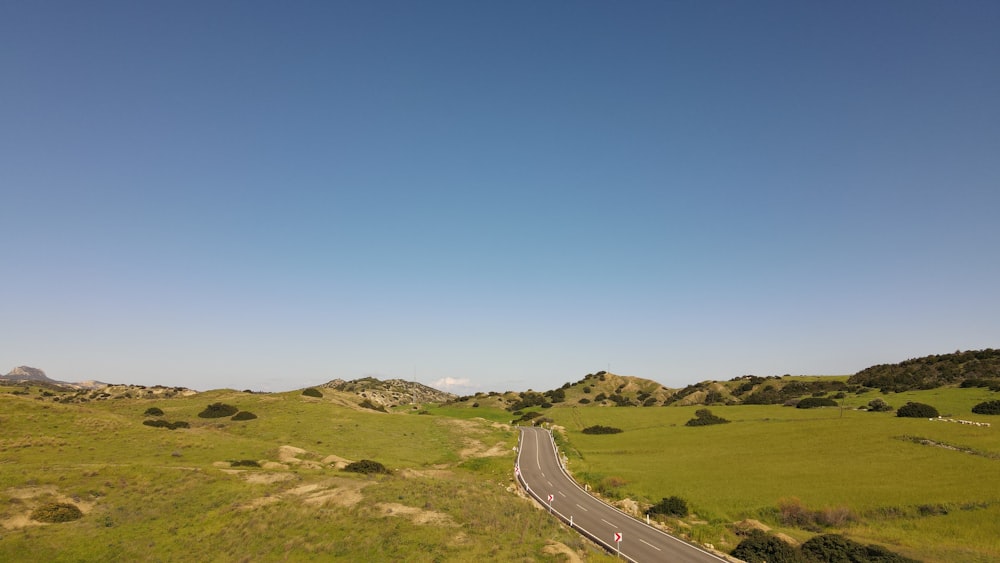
<point x="154" y="494"/>
<point x="931" y="503"/>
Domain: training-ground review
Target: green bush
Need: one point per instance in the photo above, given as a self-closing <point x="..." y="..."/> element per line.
<point x="244" y="415"/>
<point x="834" y="548"/>
<point x="765" y="548"/>
<point x="598" y="429"/>
<point x="917" y="410"/>
<point x="312" y="392"/>
<point x="704" y="417"/>
<point x="584" y="401"/>
<point x="153" y="411"/>
<point x="814" y="402"/>
<point x="56" y="512"/>
<point x="988" y="407"/>
<point x="671" y="506"/>
<point x="243" y="463"/>
<point x="157" y="423"/>
<point x="218" y="410"/>
<point x="878" y="405"/>
<point x="366" y="466"/>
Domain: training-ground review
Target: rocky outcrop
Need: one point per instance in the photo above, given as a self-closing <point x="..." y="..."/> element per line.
<point x="391" y="392"/>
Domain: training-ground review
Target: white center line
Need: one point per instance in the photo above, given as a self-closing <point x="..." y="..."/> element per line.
<point x="582" y="508"/>
<point x="562" y="494"/>
<point x="650" y="545"/>
<point x="606" y="522"/>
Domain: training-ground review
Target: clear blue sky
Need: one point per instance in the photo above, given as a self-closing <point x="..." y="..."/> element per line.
<point x="495" y="195"/>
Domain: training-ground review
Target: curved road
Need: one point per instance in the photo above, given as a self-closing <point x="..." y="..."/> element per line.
<point x="541" y="474"/>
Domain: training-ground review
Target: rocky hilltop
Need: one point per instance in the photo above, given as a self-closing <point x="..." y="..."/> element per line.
<point x="25" y="373"/>
<point x="391" y="392"/>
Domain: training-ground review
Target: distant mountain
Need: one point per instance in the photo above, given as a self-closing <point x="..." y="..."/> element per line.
<point x="25" y="373"/>
<point x="22" y="374"/>
<point x="391" y="392"/>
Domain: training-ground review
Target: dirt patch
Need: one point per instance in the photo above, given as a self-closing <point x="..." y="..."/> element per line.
<point x="426" y="473"/>
<point x="338" y="491"/>
<point x="258" y="478"/>
<point x="31" y="498"/>
<point x="567" y="553"/>
<point x="290" y="454"/>
<point x="416" y="515"/>
<point x="336" y="461"/>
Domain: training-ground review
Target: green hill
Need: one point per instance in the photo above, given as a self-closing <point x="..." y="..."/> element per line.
<point x="933" y="371"/>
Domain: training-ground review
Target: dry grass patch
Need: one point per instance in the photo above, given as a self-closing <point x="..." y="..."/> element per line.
<point x="416" y="515"/>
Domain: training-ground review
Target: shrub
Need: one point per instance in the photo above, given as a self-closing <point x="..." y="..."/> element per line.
<point x="367" y="467"/>
<point x="584" y="401"/>
<point x="671" y="506"/>
<point x="157" y="423"/>
<point x="311" y="392"/>
<point x="878" y="405"/>
<point x="160" y="423"/>
<point x="598" y="429"/>
<point x="243" y="463"/>
<point x="833" y="547"/>
<point x="218" y="410"/>
<point x="56" y="512"/>
<point x="244" y="415"/>
<point x="704" y="417"/>
<point x="917" y="410"/>
<point x="153" y="411"/>
<point x="988" y="407"/>
<point x="814" y="402"/>
<point x="761" y="548"/>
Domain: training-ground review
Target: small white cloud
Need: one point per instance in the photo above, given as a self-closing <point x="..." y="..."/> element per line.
<point x="446" y="382"/>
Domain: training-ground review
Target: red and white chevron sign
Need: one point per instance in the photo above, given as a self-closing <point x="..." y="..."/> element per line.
<point x="618" y="537"/>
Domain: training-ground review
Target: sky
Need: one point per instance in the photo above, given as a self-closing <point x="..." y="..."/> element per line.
<point x="492" y="196"/>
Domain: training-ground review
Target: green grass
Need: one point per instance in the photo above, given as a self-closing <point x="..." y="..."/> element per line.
<point x="820" y="456"/>
<point x="160" y="495"/>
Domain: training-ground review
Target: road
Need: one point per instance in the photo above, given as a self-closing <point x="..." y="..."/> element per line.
<point x="540" y="472"/>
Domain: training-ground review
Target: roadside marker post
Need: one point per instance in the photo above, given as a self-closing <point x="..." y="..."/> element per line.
<point x="618" y="543"/>
<point x="551" y="497"/>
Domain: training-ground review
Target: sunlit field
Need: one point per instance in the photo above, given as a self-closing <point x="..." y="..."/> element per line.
<point x="154" y="494"/>
<point x="929" y="502"/>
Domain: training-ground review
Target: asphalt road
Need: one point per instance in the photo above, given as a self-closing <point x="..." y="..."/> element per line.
<point x="540" y="472"/>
